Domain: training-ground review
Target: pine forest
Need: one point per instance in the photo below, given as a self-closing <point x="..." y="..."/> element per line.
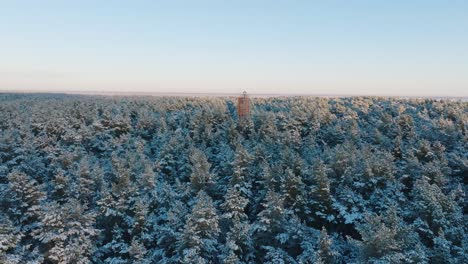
<point x="115" y="179"/>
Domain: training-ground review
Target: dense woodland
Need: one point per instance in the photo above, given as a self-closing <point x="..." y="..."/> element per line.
<point x="95" y="179"/>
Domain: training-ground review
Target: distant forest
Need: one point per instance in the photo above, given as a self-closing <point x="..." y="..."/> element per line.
<point x="97" y="179"/>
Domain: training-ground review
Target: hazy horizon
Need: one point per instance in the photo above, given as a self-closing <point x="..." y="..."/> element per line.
<point x="224" y="95"/>
<point x="393" y="48"/>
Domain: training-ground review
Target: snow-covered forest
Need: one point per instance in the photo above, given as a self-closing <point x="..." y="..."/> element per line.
<point x="95" y="179"/>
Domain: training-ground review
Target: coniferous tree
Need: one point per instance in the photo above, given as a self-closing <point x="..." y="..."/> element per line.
<point x="10" y="238"/>
<point x="199" y="238"/>
<point x="321" y="198"/>
<point x="25" y="197"/>
<point x="201" y="178"/>
<point x="386" y="238"/>
<point x="325" y="254"/>
<point x="66" y="232"/>
<point x="88" y="179"/>
<point x="241" y="177"/>
<point x="238" y="243"/>
<point x="269" y="222"/>
<point x="168" y="231"/>
<point x="61" y="187"/>
<point x="438" y="218"/>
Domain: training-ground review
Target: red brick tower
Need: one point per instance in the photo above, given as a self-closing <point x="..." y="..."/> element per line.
<point x="243" y="106"/>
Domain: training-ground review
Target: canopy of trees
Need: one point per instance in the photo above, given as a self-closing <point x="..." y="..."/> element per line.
<point x="94" y="179"/>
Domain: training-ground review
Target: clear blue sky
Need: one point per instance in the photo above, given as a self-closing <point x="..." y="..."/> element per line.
<point x="316" y="47"/>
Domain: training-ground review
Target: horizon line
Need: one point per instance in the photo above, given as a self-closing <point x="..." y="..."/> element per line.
<point x="219" y="94"/>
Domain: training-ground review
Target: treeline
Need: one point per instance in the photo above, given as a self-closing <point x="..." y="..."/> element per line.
<point x="89" y="179"/>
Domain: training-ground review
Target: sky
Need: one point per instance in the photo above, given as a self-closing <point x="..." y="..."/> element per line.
<point x="374" y="47"/>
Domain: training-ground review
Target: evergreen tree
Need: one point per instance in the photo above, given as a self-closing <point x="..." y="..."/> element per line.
<point x="269" y="224"/>
<point x="325" y="254"/>
<point x="200" y="178"/>
<point x="295" y="194"/>
<point x="438" y="218"/>
<point x="66" y="232"/>
<point x="386" y="237"/>
<point x="277" y="256"/>
<point x="168" y="231"/>
<point x="238" y="243"/>
<point x="234" y="205"/>
<point x="138" y="252"/>
<point x="10" y="238"/>
<point x="61" y="187"/>
<point x="199" y="237"/>
<point x="321" y="199"/>
<point x="25" y="197"/>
